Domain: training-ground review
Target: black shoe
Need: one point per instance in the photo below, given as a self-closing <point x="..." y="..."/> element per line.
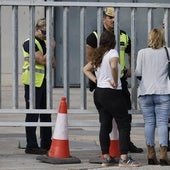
<point x="36" y="151"/>
<point x="134" y="149"/>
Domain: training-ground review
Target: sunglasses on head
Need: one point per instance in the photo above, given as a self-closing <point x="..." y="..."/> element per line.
<point x="43" y="32"/>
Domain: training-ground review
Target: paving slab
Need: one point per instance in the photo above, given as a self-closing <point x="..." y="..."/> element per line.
<point x="84" y="143"/>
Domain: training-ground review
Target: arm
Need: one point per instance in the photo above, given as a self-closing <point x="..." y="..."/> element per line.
<point x="114" y="67"/>
<point x="89" y="52"/>
<point x="40" y="58"/>
<point x="138" y="70"/>
<point x="91" y="44"/>
<point x="88" y="71"/>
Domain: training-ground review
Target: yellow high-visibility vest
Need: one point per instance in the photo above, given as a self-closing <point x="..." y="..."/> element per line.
<point x="123" y="44"/>
<point x="39" y="69"/>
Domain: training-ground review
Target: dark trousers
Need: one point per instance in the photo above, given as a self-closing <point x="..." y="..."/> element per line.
<point x="110" y="104"/>
<point x="45" y="132"/>
<point x="126" y="95"/>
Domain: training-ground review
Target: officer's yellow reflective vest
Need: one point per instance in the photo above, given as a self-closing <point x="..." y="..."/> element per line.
<point x="124" y="39"/>
<point x="39" y="69"/>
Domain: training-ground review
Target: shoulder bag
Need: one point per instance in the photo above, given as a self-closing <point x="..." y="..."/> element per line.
<point x="168" y="62"/>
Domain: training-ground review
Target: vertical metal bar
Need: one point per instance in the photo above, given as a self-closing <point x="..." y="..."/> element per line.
<point x="150" y="22"/>
<point x="49" y="57"/>
<point x="32" y="55"/>
<point x="15" y="53"/>
<point x="133" y="60"/>
<point x="65" y="55"/>
<point x="116" y="29"/>
<point x="99" y="24"/>
<point x="0" y="63"/>
<point x="82" y="60"/>
<point x="166" y="26"/>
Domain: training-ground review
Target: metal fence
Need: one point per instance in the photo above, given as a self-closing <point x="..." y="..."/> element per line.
<point x="49" y="7"/>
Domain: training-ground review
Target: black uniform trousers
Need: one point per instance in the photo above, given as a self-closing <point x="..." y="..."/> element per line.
<point x="45" y="132"/>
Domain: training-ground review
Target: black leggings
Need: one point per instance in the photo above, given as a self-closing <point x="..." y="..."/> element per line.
<point x="111" y="104"/>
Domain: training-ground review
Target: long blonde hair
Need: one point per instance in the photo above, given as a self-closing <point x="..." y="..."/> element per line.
<point x="156" y="38"/>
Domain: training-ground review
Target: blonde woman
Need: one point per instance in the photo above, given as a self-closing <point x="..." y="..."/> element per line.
<point x="154" y="94"/>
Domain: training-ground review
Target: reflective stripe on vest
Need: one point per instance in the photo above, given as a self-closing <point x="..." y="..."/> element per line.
<point x="36" y="70"/>
<point x="95" y="33"/>
<point x="39" y="69"/>
<point x="123" y="45"/>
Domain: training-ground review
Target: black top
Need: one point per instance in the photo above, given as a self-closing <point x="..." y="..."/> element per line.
<point x="42" y="42"/>
<point x="92" y="41"/>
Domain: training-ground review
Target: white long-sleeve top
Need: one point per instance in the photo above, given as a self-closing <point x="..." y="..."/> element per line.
<point x="152" y="65"/>
<point x="104" y="73"/>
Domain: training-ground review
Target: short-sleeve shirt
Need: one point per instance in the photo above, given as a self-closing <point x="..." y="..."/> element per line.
<point x="104" y="72"/>
<point x="92" y="41"/>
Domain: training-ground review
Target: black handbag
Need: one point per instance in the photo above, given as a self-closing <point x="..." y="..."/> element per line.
<point x="168" y="62"/>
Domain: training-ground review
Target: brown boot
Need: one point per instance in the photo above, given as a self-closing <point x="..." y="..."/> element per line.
<point x="163" y="156"/>
<point x="152" y="160"/>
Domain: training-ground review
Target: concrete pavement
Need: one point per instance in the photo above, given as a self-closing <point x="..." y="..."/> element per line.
<point x="83" y="141"/>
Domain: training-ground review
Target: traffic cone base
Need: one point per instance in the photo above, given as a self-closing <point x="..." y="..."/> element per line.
<point x="59" y="149"/>
<point x="46" y="159"/>
<point x="59" y="152"/>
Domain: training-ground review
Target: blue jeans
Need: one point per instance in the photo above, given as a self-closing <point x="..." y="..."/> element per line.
<point x="155" y="110"/>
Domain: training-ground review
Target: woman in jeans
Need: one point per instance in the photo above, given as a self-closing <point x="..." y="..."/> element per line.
<point x="154" y="94"/>
<point x="108" y="98"/>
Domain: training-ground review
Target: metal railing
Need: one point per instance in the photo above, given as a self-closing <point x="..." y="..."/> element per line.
<point x="49" y="7"/>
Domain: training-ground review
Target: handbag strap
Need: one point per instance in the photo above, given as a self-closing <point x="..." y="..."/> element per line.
<point x="167" y="54"/>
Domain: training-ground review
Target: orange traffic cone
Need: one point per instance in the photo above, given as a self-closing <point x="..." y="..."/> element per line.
<point x="59" y="152"/>
<point x="60" y="144"/>
<point x="114" y="146"/>
<point x="114" y="141"/>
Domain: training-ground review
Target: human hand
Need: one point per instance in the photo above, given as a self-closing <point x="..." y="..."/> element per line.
<point x="113" y="84"/>
<point x="128" y="73"/>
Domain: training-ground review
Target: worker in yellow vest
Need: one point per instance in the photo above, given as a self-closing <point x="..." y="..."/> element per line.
<point x="40" y="91"/>
<point x="125" y="47"/>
